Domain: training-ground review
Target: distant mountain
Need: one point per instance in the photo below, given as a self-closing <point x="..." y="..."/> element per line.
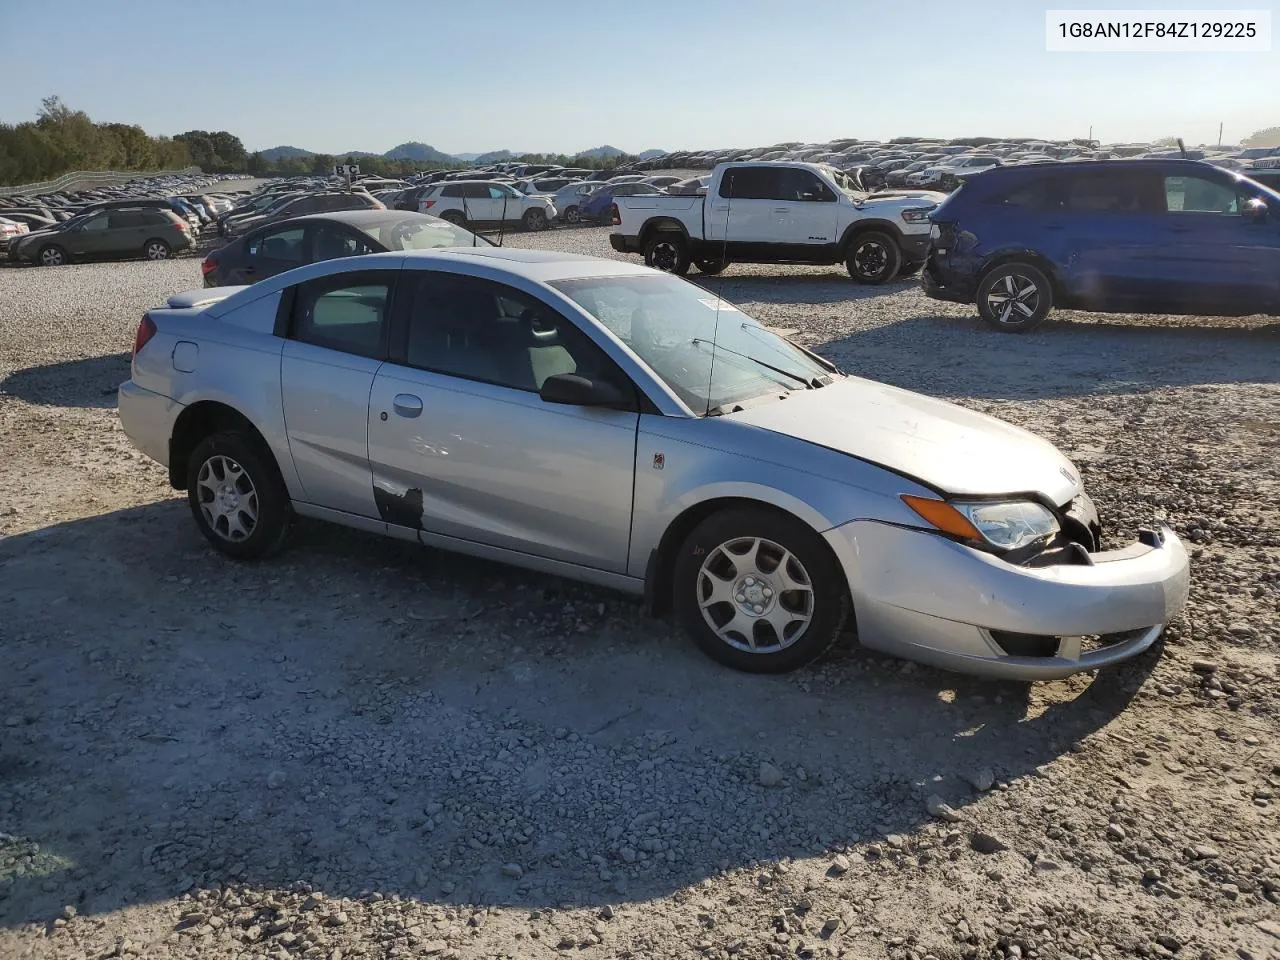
<point x="281" y="153"/>
<point x="419" y="152"/>
<point x="493" y="156"/>
<point x="468" y="157"/>
<point x="650" y="154"/>
<point x="600" y="153"/>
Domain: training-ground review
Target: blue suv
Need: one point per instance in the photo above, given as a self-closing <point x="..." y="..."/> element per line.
<point x="1118" y="236"/>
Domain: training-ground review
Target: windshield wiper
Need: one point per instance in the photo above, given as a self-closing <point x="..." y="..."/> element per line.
<point x="808" y="384"/>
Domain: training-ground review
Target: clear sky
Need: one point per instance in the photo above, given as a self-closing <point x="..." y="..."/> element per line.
<point x="566" y="75"/>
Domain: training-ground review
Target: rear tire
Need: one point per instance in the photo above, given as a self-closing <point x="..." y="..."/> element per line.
<point x="155" y="249"/>
<point x="236" y="495"/>
<point x="1015" y="297"/>
<point x="454" y="217"/>
<point x="743" y="553"/>
<point x="711" y="267"/>
<point x="668" y="252"/>
<point x="51" y="256"/>
<point x="873" y="258"/>
<point x="534" y="220"/>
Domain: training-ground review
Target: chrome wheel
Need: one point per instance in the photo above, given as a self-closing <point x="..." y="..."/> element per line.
<point x="755" y="595"/>
<point x="1014" y="298"/>
<point x="870" y="259"/>
<point x="52" y="257"/>
<point x="157" y="250"/>
<point x="228" y="499"/>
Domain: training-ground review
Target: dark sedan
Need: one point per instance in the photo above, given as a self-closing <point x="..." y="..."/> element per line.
<point x="285" y="244"/>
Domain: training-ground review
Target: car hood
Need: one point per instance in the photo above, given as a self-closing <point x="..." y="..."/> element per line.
<point x="945" y="446"/>
<point x="46" y="232"/>
<point x="901" y="198"/>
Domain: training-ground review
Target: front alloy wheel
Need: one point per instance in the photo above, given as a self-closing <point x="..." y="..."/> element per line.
<point x="535" y="220"/>
<point x="755" y="595"/>
<point x="874" y="258"/>
<point x="157" y="250"/>
<point x="52" y="257"/>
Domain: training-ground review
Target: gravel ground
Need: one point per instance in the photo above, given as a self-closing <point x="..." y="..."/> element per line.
<point x="365" y="749"/>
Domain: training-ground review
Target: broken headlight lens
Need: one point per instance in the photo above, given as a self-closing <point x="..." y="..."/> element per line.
<point x="1009" y="525"/>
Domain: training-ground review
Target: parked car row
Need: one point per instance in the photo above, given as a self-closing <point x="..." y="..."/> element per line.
<point x="151" y="217"/>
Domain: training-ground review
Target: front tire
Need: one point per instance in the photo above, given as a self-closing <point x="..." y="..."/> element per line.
<point x="573" y="215"/>
<point x="534" y="220"/>
<point x="51" y="256"/>
<point x="156" y="249"/>
<point x="759" y="591"/>
<point x="668" y="252"/>
<point x="236" y="495"/>
<point x="1015" y="297"/>
<point x="873" y="258"/>
<point x="712" y="267"/>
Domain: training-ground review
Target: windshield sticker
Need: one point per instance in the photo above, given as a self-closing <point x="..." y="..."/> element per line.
<point x="713" y="304"/>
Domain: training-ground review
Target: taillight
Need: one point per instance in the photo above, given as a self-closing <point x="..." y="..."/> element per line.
<point x="182" y="225"/>
<point x="146" y="330"/>
<point x="615" y="217"/>
<point x="208" y="265"/>
<point x="428" y="204"/>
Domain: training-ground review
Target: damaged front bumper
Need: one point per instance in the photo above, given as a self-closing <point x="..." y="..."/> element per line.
<point x="927" y="598"/>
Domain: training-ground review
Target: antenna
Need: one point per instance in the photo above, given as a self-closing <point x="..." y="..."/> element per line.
<point x="724" y="256"/>
<point x="1182" y="148"/>
<point x="465" y="215"/>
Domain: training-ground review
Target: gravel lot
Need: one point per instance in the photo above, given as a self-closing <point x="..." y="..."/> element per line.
<point x="365" y="749"/>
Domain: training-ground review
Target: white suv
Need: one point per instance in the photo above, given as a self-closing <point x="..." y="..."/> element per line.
<point x="961" y="166"/>
<point x="478" y="202"/>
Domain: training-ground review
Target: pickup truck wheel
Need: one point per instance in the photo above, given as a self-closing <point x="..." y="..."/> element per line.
<point x="711" y="267"/>
<point x="1015" y="297"/>
<point x="236" y="495"/>
<point x="534" y="220"/>
<point x="759" y="591"/>
<point x="874" y="257"/>
<point x="668" y="252"/>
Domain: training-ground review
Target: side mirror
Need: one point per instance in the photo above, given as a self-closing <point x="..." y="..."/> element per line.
<point x="1256" y="210"/>
<point x="579" y="391"/>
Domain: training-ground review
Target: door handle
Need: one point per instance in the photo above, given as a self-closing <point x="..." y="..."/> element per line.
<point x="407" y="405"/>
<point x="781" y="210"/>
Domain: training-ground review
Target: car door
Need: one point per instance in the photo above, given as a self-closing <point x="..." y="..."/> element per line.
<point x="506" y="204"/>
<point x="462" y="445"/>
<point x="807" y="211"/>
<point x="1106" y="222"/>
<point x="126" y="232"/>
<point x="743" y="212"/>
<point x="1223" y="259"/>
<point x="337" y="328"/>
<point x="90" y="238"/>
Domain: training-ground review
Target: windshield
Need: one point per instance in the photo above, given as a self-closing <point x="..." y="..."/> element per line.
<point x="846" y="183"/>
<point x="670" y="324"/>
<point x="415" y="233"/>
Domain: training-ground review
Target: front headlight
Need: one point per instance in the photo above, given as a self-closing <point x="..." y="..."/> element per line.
<point x="918" y="214"/>
<point x="1005" y="525"/>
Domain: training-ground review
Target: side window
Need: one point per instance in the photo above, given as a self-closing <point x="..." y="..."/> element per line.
<point x="803" y="185"/>
<point x="497" y="193"/>
<point x="1110" y="191"/>
<point x="283" y="245"/>
<point x="452" y="190"/>
<point x="99" y="222"/>
<point x="751" y="183"/>
<point x="1036" y="195"/>
<point x="333" y="242"/>
<point x="1198" y="195"/>
<point x="475" y="191"/>
<point x="347" y="312"/>
<point x="480" y="330"/>
<point x="123" y="219"/>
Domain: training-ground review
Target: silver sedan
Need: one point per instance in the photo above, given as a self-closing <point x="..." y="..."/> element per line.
<point x="609" y="423"/>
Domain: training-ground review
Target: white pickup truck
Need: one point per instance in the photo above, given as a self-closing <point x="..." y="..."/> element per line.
<point x="779" y="212"/>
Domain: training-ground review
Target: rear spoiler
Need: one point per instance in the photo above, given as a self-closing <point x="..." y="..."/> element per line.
<point x="201" y="298"/>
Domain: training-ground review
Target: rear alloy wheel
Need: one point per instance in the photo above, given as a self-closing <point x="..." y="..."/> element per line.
<point x="759" y="591"/>
<point x="52" y="256"/>
<point x="535" y="220"/>
<point x="874" y="258"/>
<point x="573" y="215"/>
<point x="1015" y="297"/>
<point x="156" y="250"/>
<point x="668" y="252"/>
<point x="711" y="267"/>
<point x="236" y="495"/>
<point x="454" y="217"/>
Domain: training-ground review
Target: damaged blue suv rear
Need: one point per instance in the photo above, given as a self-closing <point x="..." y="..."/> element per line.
<point x="1140" y="236"/>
